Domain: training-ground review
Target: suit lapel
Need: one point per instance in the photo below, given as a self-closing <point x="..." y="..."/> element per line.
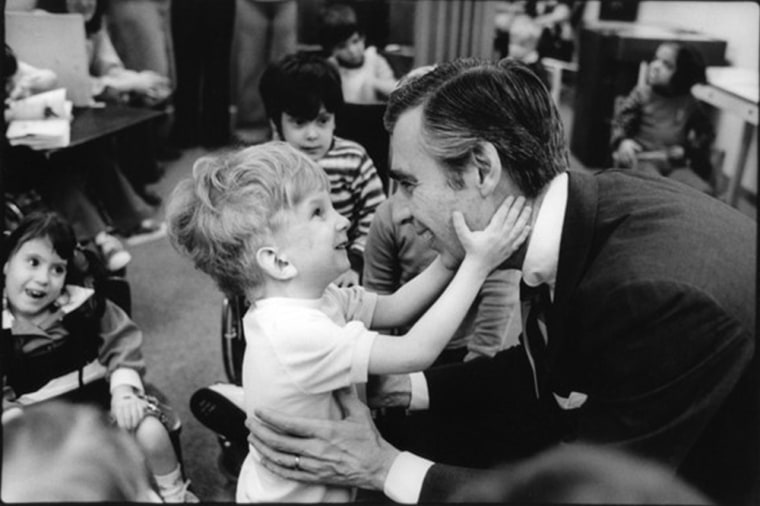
<point x="574" y="251"/>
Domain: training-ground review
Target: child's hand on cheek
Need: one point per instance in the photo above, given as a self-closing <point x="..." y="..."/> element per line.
<point x="507" y="230"/>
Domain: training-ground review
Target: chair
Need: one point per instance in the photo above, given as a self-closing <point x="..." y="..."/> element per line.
<point x="556" y="69"/>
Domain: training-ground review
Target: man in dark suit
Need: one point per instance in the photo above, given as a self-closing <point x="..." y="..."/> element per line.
<point x="645" y="337"/>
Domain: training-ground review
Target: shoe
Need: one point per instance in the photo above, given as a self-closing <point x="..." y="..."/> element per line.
<point x="150" y="197"/>
<point x="220" y="414"/>
<point x="148" y="230"/>
<point x="114" y="254"/>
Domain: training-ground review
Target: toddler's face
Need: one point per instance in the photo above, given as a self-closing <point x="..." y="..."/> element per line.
<point x="315" y="239"/>
<point x="351" y="52"/>
<point x="662" y="68"/>
<point x="312" y="137"/>
<point x="34" y="277"/>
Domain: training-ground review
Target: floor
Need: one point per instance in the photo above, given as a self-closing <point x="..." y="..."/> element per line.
<point x="179" y="310"/>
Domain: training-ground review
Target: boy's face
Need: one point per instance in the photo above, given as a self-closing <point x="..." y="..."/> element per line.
<point x="34" y="277"/>
<point x="350" y="53"/>
<point x="312" y="137"/>
<point x="314" y="239"/>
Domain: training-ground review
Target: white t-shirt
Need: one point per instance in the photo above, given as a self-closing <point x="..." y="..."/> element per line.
<point x="359" y="84"/>
<point x="298" y="351"/>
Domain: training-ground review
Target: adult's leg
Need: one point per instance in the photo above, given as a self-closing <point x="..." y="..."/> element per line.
<point x="188" y="42"/>
<point x="219" y="21"/>
<point x="253" y="25"/>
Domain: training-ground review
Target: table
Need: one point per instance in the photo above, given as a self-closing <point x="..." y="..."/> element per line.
<point x="735" y="90"/>
<point x="93" y="123"/>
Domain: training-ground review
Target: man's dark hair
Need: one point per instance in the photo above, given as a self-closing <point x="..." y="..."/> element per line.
<point x="338" y="24"/>
<point x="299" y="85"/>
<point x="690" y="69"/>
<point x="469" y="101"/>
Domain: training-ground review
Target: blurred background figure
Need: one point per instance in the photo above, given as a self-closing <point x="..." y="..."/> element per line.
<point x="366" y="76"/>
<point x="202" y="33"/>
<point x="582" y="474"/>
<point x="524" y="36"/>
<point x="58" y="451"/>
<point x="265" y="31"/>
<point x="661" y="127"/>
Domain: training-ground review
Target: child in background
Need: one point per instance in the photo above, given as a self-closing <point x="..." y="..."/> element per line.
<point x="58" y="336"/>
<point x="366" y="76"/>
<point x="260" y="223"/>
<point x="524" y="35"/>
<point x="57" y="451"/>
<point x="301" y="94"/>
<point x="661" y="127"/>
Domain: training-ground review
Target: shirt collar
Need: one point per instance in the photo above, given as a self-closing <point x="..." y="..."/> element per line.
<point x="542" y="255"/>
<point x="77" y="295"/>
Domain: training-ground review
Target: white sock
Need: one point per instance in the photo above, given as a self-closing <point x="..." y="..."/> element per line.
<point x="171" y="486"/>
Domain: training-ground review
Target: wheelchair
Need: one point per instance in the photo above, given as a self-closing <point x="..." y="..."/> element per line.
<point x="116" y="288"/>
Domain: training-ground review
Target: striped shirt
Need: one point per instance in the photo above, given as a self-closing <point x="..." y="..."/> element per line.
<point x="355" y="187"/>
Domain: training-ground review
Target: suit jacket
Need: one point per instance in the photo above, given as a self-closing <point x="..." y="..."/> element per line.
<point x="654" y="319"/>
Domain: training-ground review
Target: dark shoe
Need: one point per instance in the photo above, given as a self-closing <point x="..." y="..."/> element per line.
<point x="168" y="154"/>
<point x="219" y="414"/>
<point x="150" y="197"/>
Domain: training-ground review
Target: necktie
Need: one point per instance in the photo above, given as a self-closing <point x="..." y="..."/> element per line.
<point x="536" y="302"/>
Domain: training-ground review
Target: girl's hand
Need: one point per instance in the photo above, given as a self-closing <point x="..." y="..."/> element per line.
<point x="127" y="409"/>
<point x="506" y="231"/>
<point x="627" y="151"/>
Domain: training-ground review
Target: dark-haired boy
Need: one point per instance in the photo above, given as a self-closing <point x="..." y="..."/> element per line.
<point x="301" y="95"/>
<point x="365" y="75"/>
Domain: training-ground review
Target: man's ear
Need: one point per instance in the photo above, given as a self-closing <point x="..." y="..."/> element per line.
<point x="488" y="164"/>
<point x="275" y="265"/>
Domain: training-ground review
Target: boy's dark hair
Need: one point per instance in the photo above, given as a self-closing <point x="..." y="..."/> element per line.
<point x="690" y="69"/>
<point x="338" y="23"/>
<point x="299" y="85"/>
<point x="10" y="63"/>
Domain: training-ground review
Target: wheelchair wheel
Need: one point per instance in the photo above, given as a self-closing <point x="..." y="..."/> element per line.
<point x="233" y="340"/>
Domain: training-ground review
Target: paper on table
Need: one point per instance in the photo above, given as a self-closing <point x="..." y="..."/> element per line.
<point x="49" y="104"/>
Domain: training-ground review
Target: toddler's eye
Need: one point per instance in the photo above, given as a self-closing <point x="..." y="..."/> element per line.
<point x="317" y="212"/>
<point x="59" y="270"/>
<point x="33" y="262"/>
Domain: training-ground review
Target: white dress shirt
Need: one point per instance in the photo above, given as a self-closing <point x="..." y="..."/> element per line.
<point x="404" y="481"/>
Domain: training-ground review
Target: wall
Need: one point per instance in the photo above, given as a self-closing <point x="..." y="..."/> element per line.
<point x="735" y="22"/>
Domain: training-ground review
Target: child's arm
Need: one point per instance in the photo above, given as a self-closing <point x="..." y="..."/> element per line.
<point x="485" y="250"/>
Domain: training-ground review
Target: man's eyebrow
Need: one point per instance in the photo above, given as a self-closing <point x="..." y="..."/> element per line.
<point x="399" y="175"/>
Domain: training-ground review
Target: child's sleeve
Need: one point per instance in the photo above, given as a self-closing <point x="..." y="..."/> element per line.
<point x="627" y="118"/>
<point x="382" y="272"/>
<point x="497" y="322"/>
<point x="121" y="352"/>
<point x="367" y="190"/>
<point x="331" y="357"/>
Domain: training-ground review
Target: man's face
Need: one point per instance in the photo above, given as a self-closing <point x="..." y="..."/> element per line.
<point x="424" y="186"/>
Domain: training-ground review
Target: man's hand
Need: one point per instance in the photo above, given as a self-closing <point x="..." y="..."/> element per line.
<point x="389" y="391"/>
<point x="347" y="452"/>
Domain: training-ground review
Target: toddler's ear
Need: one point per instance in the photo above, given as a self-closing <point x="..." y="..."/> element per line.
<point x="274" y="265"/>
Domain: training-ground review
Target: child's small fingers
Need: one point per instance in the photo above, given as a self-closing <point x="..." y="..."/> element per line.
<point x="460" y="226"/>
<point x="515" y="210"/>
<point x="501" y="212"/>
